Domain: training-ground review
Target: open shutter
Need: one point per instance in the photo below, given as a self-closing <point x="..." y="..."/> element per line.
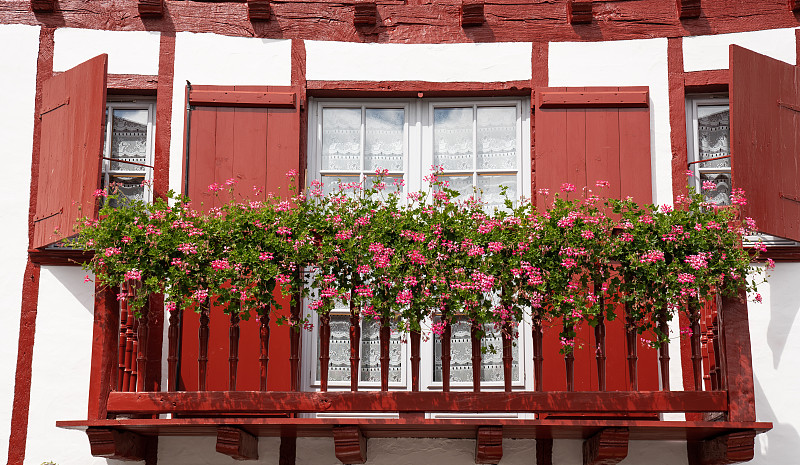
<point x="252" y="135"/>
<point x="72" y="115"/>
<point x="765" y="123"/>
<point x="584" y="135"/>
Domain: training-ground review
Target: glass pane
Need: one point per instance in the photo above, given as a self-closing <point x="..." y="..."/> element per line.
<point x="332" y="183"/>
<point x="371" y="353"/>
<point x="721" y="194"/>
<point x="462" y="184"/>
<point x="341" y="139"/>
<point x="491" y="192"/>
<point x="129" y="138"/>
<point x="713" y="134"/>
<point x="384" y="139"/>
<point x="391" y="184"/>
<point x="129" y="188"/>
<point x="497" y="137"/>
<point x="461" y="355"/>
<point x="452" y="138"/>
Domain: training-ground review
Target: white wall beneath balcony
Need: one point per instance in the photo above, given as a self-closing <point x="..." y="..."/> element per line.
<point x="129" y="52"/>
<point x="16" y="132"/>
<point x="711" y="51"/>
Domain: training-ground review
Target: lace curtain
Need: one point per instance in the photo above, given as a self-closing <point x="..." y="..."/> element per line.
<point x="713" y="140"/>
<point x="128" y="143"/>
<point x="461" y="355"/>
<point x="383" y="139"/>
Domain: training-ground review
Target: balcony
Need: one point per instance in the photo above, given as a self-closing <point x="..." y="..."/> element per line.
<point x="205" y="393"/>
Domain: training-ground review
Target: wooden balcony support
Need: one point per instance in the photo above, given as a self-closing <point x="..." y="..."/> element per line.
<point x="153" y="8"/>
<point x="688" y="9"/>
<point x="237" y="443"/>
<point x="288" y="450"/>
<point x="350" y="446"/>
<point x="258" y="10"/>
<point x="544" y="451"/>
<point x="43" y="6"/>
<point x="114" y="444"/>
<point x="608" y="447"/>
<point x="579" y="11"/>
<point x="727" y="449"/>
<point x="489" y="445"/>
<point x="365" y="13"/>
<point x="794" y="5"/>
<point x="472" y="13"/>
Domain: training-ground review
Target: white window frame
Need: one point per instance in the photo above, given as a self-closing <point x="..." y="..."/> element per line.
<point x="692" y="130"/>
<point x="148" y="104"/>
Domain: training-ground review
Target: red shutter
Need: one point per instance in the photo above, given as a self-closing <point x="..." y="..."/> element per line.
<point x="584" y="135"/>
<point x="765" y="123"/>
<point x="251" y="135"/>
<point x="73" y="115"/>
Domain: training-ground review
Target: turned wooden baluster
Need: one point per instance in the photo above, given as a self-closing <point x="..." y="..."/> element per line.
<point x="173" y="333"/>
<point x="233" y="349"/>
<point x="475" y="337"/>
<point x="569" y="363"/>
<point x="123" y="341"/>
<point x="294" y="344"/>
<point x="263" y="358"/>
<point x="129" y="339"/>
<point x="385" y="334"/>
<point x="142" y="333"/>
<point x="600" y="346"/>
<point x="508" y="358"/>
<point x="202" y="359"/>
<point x="538" y="357"/>
<point x="415" y="358"/>
<point x="697" y="357"/>
<point x="324" y="349"/>
<point x="134" y="351"/>
<point x="718" y="378"/>
<point x="447" y="335"/>
<point x="633" y="353"/>
<point x="355" y="345"/>
<point x="663" y="352"/>
<point x="705" y="345"/>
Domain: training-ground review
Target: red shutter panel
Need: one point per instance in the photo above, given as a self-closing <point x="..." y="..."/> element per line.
<point x="584" y="135"/>
<point x="72" y="114"/>
<point x="765" y="122"/>
<point x="251" y="135"/>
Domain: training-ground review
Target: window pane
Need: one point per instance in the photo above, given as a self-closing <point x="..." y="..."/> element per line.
<point x="384" y="139"/>
<point x="129" y="138"/>
<point x="713" y="134"/>
<point x="371" y="353"/>
<point x="721" y="195"/>
<point x="341" y="139"/>
<point x="461" y="355"/>
<point x="462" y="184"/>
<point x="129" y="187"/>
<point x="452" y="138"/>
<point x="331" y="183"/>
<point x="491" y="191"/>
<point x="339" y="363"/>
<point x="497" y="138"/>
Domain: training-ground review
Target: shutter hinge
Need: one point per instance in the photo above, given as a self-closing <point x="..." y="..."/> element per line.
<point x="55" y="107"/>
<point x="37" y="219"/>
<point x="788" y="106"/>
<point x="788" y="197"/>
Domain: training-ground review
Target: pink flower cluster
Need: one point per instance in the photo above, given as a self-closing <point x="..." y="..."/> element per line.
<point x="652" y="256"/>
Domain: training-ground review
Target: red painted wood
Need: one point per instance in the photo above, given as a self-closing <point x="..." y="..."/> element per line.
<point x="730" y="448"/>
<point x="151" y="7"/>
<point x="123" y="338"/>
<point x="475" y="340"/>
<point x="414" y="339"/>
<point x="105" y="337"/>
<point x="508" y="358"/>
<point x="707" y="80"/>
<point x="447" y="336"/>
<point x="73" y="111"/>
<point x="238" y="98"/>
<point x="288" y="450"/>
<point x="43" y="6"/>
<point x="600" y="350"/>
<point x="173" y="331"/>
<point x="232" y="402"/>
<point x="697" y="358"/>
<point x="663" y="355"/>
<point x="350" y="446"/>
<point x="538" y="351"/>
<point x="142" y="334"/>
<point x="607" y="447"/>
<point x="489" y="444"/>
<point x="579" y="11"/>
<point x="632" y="346"/>
<point x="324" y="350"/>
<point x="237" y="443"/>
<point x="355" y="345"/>
<point x="763" y="142"/>
<point x="114" y="444"/>
<point x="738" y="358"/>
<point x="472" y="13"/>
<point x="384" y="335"/>
<point x="233" y="350"/>
<point x="294" y="346"/>
<point x="677" y="115"/>
<point x="357" y="89"/>
<point x="202" y="358"/>
<point x="595" y="99"/>
<point x="365" y="13"/>
<point x="263" y="358"/>
<point x="688" y="9"/>
<point x="258" y="10"/>
<point x="634" y="154"/>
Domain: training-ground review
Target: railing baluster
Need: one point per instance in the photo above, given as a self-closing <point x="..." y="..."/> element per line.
<point x="173" y="332"/>
<point x="324" y="349"/>
<point x="134" y="352"/>
<point x="447" y="336"/>
<point x="538" y="358"/>
<point x="385" y="333"/>
<point x="697" y="357"/>
<point x="717" y="376"/>
<point x="202" y="358"/>
<point x="475" y="338"/>
<point x="508" y="357"/>
<point x="632" y="345"/>
<point x="123" y="341"/>
<point x="600" y="349"/>
<point x="569" y="364"/>
<point x="355" y="342"/>
<point x="294" y="344"/>
<point x="233" y="349"/>
<point x="142" y="333"/>
<point x="415" y="358"/>
<point x="263" y="358"/>
<point x="663" y="352"/>
<point x="129" y="321"/>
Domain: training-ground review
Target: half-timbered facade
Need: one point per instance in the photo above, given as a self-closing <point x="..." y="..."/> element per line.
<point x="184" y="93"/>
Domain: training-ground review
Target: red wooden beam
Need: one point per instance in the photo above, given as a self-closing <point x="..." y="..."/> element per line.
<point x="608" y="447"/>
<point x="472" y="13"/>
<point x="794" y="5"/>
<point x="579" y="11"/>
<point x="365" y="14"/>
<point x="735" y="339"/>
<point x="119" y="445"/>
<point x="723" y="450"/>
<point x="232" y="98"/>
<point x="258" y="10"/>
<point x="489" y="444"/>
<point x="237" y="443"/>
<point x="688" y="9"/>
<point x="288" y="450"/>
<point x="217" y="402"/>
<point x="597" y="99"/>
<point x="350" y="446"/>
<point x="43" y="6"/>
<point x="544" y="451"/>
<point x="151" y="7"/>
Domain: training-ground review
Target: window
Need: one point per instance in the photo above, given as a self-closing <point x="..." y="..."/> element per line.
<point x="708" y="121"/>
<point x="128" y="150"/>
<point x="481" y="144"/>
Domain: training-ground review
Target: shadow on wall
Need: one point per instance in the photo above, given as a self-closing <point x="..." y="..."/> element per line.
<point x="73" y="279"/>
<point x="779" y="445"/>
<point x="783" y="311"/>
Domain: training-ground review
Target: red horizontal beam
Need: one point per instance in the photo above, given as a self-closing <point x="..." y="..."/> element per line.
<point x="234" y="402"/>
<point x="417" y="89"/>
<point x="598" y="99"/>
<point x="237" y="98"/>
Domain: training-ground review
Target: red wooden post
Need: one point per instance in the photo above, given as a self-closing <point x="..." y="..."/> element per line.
<point x="508" y="357"/>
<point x="384" y="340"/>
<point x="142" y="332"/>
<point x="717" y="376"/>
<point x="446" y="340"/>
<point x="263" y="358"/>
<point x="202" y="359"/>
<point x="735" y="345"/>
<point x="415" y="341"/>
<point x="355" y="345"/>
<point x="538" y="358"/>
<point x="631" y="337"/>
<point x="129" y="336"/>
<point x="233" y="349"/>
<point x="697" y="357"/>
<point x="123" y="340"/>
<point x="475" y="337"/>
<point x="324" y="350"/>
<point x="134" y="351"/>
<point x="600" y="349"/>
<point x="569" y="363"/>
<point x="294" y="345"/>
<point x="663" y="353"/>
<point x="173" y="333"/>
<point x="705" y="341"/>
<point x="104" y="360"/>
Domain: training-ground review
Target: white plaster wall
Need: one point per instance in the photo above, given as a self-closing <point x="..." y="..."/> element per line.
<point x="775" y="345"/>
<point x="211" y="59"/>
<point x="485" y="62"/>
<point x="129" y="52"/>
<point x="202" y="451"/>
<point x="711" y="51"/>
<point x="624" y="63"/>
<point x="16" y="132"/>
